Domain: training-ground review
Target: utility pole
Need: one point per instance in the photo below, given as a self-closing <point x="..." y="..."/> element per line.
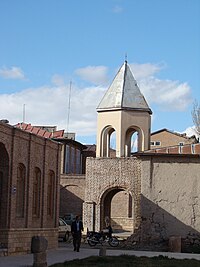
<point x="69" y="103"/>
<point x="23" y="113"/>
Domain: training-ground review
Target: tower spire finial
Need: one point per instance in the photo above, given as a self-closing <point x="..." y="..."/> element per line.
<point x="126" y="57"/>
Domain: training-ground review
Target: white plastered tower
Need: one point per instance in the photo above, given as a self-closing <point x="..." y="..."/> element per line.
<point x="124" y="110"/>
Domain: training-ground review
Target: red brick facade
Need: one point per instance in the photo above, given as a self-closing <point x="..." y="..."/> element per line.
<point x="29" y="189"/>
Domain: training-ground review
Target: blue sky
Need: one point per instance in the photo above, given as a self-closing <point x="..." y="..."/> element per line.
<point x="46" y="43"/>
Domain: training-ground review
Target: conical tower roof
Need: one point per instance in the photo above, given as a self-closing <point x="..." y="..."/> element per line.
<point x="123" y="93"/>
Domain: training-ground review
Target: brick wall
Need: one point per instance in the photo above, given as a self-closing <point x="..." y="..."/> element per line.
<point x="31" y="151"/>
<point x="186" y="149"/>
<point x="105" y="178"/>
<point x="18" y="241"/>
<point x="167" y="138"/>
<point x="72" y="194"/>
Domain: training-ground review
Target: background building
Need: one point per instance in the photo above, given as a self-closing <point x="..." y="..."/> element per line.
<point x="166" y="138"/>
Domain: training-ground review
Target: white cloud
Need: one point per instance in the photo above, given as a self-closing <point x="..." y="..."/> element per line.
<point x="145" y="70"/>
<point x="190" y="131"/>
<point x="58" y="80"/>
<point x="94" y="74"/>
<point x="169" y="95"/>
<point x="12" y="73"/>
<point x="48" y="105"/>
<point x="117" y="9"/>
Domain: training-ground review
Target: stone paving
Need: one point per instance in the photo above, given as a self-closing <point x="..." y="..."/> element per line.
<point x="65" y="253"/>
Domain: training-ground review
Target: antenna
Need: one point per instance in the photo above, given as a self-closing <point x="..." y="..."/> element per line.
<point x="69" y="102"/>
<point x="23" y="113"/>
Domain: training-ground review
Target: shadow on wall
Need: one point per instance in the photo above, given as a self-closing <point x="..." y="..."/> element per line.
<point x="157" y="226"/>
<point x="70" y="202"/>
<point x="122" y="224"/>
<point x="115" y="225"/>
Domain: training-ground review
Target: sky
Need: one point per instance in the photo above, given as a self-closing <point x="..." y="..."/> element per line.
<point x="46" y="44"/>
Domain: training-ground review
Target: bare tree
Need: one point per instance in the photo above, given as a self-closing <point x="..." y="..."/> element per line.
<point x="196" y="116"/>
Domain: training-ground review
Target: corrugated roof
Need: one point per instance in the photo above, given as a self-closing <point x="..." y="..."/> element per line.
<point x="123" y="93"/>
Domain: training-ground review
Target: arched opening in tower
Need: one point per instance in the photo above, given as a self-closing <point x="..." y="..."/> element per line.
<point x="108" y="142"/>
<point x="112" y="148"/>
<point x="134" y="141"/>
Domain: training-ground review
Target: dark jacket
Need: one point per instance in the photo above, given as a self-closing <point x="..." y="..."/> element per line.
<point x="74" y="226"/>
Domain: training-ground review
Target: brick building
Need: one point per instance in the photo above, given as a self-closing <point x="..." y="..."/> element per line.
<point x="73" y="158"/>
<point x="29" y="189"/>
<point x="166" y="138"/>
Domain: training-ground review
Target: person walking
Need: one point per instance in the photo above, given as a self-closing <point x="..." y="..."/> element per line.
<point x="76" y="230"/>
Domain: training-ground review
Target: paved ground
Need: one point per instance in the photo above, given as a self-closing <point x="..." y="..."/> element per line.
<point x="65" y="253"/>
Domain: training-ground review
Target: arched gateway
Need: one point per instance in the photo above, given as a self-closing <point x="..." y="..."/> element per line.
<point x="113" y="185"/>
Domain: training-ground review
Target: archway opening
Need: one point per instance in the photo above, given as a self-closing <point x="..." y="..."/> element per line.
<point x="117" y="205"/>
<point x="134" y="141"/>
<point x="112" y="148"/>
<point x="108" y="142"/>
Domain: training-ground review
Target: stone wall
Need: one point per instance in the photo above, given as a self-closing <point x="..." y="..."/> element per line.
<point x="170" y="189"/>
<point x="165" y="190"/>
<point x="170" y="204"/>
<point x="105" y="177"/>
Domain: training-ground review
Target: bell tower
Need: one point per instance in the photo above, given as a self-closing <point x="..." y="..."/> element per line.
<point x="123" y="109"/>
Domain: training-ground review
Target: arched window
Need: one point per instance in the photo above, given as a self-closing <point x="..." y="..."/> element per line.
<point x="36" y="192"/>
<point x="134" y="141"/>
<point x="50" y="194"/>
<point x="20" y="190"/>
<point x="107" y="141"/>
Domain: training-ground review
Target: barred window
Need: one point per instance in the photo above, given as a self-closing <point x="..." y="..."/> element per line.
<point x="36" y="192"/>
<point x="20" y="190"/>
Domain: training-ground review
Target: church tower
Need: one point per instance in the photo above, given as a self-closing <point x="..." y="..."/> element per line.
<point x="124" y="110"/>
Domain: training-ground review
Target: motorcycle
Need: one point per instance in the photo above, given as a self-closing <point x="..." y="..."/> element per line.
<point x="95" y="238"/>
